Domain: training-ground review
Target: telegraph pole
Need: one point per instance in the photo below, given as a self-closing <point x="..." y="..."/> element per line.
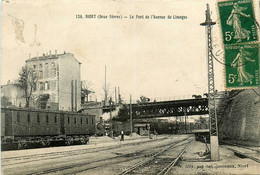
<point x="105" y="88"/>
<point x="214" y="145"/>
<point x="131" y="117"/>
<point x="110" y="112"/>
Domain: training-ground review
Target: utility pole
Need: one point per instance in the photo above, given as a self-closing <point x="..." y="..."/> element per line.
<point x="105" y="89"/>
<point x="115" y="97"/>
<point x="110" y="112"/>
<point x="185" y="119"/>
<point x="214" y="145"/>
<point x="131" y="117"/>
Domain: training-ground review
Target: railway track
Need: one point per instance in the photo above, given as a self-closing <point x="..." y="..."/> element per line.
<point x="60" y="154"/>
<point x="152" y="161"/>
<point x="166" y="170"/>
<point x="252" y="156"/>
<point x="89" y="164"/>
<point x="86" y="166"/>
<point x="243" y="151"/>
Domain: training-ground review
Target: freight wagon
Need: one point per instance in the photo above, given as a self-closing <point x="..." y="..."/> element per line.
<point x="28" y="128"/>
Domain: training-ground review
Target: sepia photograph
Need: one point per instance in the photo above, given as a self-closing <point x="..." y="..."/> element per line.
<point x="115" y="87"/>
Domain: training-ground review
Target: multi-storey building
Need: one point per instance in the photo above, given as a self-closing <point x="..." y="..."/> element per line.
<point x="59" y="76"/>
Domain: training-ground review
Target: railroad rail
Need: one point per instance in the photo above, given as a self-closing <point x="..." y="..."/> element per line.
<point x="238" y="151"/>
<point x="101" y="163"/>
<point x="173" y="163"/>
<point x="60" y="154"/>
<point x="244" y="155"/>
<point x="154" y="155"/>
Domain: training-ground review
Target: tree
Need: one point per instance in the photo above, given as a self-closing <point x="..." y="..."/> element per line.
<point x="86" y="88"/>
<point x="123" y="114"/>
<point x="27" y="81"/>
<point x="42" y="100"/>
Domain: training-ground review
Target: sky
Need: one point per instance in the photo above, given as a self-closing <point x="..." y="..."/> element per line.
<point x="157" y="58"/>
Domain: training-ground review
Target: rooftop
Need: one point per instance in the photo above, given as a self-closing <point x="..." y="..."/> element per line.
<point x="45" y="57"/>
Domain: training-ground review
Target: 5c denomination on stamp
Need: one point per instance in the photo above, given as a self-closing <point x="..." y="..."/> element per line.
<point x="237" y="20"/>
<point x="242" y="68"/>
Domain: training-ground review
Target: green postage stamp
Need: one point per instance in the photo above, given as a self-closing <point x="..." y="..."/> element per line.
<point x="242" y="65"/>
<point x="239" y="29"/>
<point x="237" y="20"/>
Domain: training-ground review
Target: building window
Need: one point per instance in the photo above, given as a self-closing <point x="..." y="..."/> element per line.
<point x="38" y="118"/>
<point x="87" y="121"/>
<point x="18" y="116"/>
<point x="47" y="118"/>
<point x="81" y="120"/>
<point x="46" y="85"/>
<point x="28" y="118"/>
<point x="41" y="86"/>
<point x="92" y="121"/>
<point x="46" y="70"/>
<point x="34" y="66"/>
<point x="40" y="74"/>
<point x="75" y="120"/>
<point x="55" y="119"/>
<point x="68" y="120"/>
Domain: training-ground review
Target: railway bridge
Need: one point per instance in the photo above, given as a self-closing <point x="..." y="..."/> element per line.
<point x="167" y="108"/>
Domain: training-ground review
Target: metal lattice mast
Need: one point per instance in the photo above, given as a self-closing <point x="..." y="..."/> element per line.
<point x="214" y="145"/>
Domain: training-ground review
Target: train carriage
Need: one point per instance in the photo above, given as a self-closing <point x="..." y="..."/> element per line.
<point x="28" y="125"/>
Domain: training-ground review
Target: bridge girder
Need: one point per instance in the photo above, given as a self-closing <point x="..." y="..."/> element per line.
<point x="171" y="108"/>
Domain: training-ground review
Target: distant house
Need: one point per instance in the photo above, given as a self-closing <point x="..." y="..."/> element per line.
<point x="59" y="76"/>
<point x="12" y="95"/>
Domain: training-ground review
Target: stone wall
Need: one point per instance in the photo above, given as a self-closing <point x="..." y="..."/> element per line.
<point x="241" y="119"/>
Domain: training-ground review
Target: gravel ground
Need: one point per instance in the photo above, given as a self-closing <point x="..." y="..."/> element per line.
<point x="192" y="163"/>
<point x="110" y="156"/>
<point x="60" y="160"/>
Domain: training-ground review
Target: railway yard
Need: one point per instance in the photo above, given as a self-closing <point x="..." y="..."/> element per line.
<point x="165" y="154"/>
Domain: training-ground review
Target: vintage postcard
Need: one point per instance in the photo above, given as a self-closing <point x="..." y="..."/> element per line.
<point x="130" y="87"/>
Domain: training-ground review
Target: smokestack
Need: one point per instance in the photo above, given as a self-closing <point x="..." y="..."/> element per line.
<point x="115" y="96"/>
<point x="50" y="53"/>
<point x="119" y="97"/>
<point x="55" y="53"/>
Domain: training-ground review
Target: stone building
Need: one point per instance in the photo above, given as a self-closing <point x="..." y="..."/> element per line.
<point x="13" y="94"/>
<point x="59" y="76"/>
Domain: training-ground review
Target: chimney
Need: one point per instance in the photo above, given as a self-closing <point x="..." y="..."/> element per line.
<point x="43" y="54"/>
<point x="50" y="53"/>
<point x="55" y="53"/>
<point x="64" y="52"/>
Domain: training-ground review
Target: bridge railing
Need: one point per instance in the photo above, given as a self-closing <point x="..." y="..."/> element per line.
<point x="161" y="99"/>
